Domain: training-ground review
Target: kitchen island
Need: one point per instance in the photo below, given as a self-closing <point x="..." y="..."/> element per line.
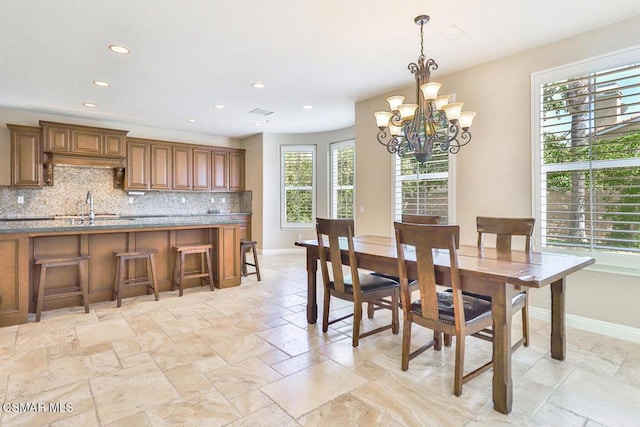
<point x="21" y="241"/>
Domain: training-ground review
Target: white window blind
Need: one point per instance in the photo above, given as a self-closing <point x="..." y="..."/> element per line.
<point x="589" y="157"/>
<point x="422" y="188"/>
<point x="343" y="159"/>
<point x="298" y="186"/>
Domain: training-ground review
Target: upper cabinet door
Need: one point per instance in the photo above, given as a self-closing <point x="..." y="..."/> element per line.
<point x="56" y="138"/>
<point x="236" y="171"/>
<point x="182" y="168"/>
<point x="201" y="169"/>
<point x="87" y="142"/>
<point x="220" y="170"/>
<point x="161" y="170"/>
<point x="26" y="156"/>
<point x="114" y="145"/>
<point x="137" y="171"/>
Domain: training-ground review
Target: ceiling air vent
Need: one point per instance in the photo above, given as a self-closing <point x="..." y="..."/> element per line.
<point x="260" y="112"/>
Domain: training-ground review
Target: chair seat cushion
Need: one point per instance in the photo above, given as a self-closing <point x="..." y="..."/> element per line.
<point x="474" y="308"/>
<point x="517" y="299"/>
<point x="368" y="283"/>
<point x="395" y="278"/>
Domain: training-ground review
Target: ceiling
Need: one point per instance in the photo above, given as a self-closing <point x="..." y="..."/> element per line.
<point x="187" y="56"/>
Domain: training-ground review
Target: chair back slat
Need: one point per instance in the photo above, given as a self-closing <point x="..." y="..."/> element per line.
<point x="337" y="230"/>
<point x="504" y="229"/>
<point x="424" y="238"/>
<point x="421" y="219"/>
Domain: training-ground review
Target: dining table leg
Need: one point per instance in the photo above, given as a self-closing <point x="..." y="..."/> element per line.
<point x="312" y="269"/>
<point x="558" y="332"/>
<point x="502" y="382"/>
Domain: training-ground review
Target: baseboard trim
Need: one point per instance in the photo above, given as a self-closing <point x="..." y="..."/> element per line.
<point x="615" y="330"/>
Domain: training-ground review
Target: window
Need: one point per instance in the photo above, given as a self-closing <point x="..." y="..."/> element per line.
<point x="587" y="152"/>
<point x="343" y="160"/>
<point x="423" y="188"/>
<point x="298" y="168"/>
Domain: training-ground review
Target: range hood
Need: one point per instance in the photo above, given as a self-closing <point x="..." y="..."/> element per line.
<point x="85" y="146"/>
<point x="71" y="159"/>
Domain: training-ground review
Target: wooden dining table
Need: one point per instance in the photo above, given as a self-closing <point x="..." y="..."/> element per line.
<point x="482" y="271"/>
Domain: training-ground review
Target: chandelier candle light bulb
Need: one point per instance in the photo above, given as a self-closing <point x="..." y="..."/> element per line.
<point x="431" y="123"/>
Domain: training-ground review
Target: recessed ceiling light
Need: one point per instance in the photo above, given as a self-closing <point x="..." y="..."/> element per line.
<point x="218" y="106"/>
<point x="101" y="83"/>
<point x="90" y="105"/>
<point x="258" y="85"/>
<point x="119" y="49"/>
<point x="307" y="107"/>
<point x="191" y="120"/>
<point x="257" y="124"/>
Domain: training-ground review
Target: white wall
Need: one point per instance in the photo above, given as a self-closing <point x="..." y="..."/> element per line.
<point x="493" y="172"/>
<point x="254" y="182"/>
<point x="273" y="237"/>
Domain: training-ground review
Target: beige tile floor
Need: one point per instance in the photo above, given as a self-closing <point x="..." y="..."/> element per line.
<point x="246" y="357"/>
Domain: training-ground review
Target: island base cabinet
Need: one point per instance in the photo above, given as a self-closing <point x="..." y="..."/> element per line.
<point x="14" y="268"/>
<point x="226" y="253"/>
<point x="225" y="239"/>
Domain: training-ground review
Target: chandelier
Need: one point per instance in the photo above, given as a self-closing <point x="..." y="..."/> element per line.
<point x="433" y="121"/>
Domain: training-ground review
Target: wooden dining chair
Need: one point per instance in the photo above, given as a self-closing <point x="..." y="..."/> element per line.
<point x="356" y="286"/>
<point x="421" y="219"/>
<point x="451" y="313"/>
<point x="413" y="219"/>
<point x="504" y="229"/>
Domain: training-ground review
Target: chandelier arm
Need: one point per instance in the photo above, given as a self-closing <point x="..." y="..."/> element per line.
<point x="391" y="143"/>
<point x="395" y="118"/>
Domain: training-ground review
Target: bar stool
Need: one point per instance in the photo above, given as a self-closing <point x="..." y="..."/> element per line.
<point x="81" y="289"/>
<point x="179" y="273"/>
<point x="120" y="282"/>
<point x="249" y="245"/>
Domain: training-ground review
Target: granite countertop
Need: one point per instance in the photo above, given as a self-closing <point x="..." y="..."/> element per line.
<point x="107" y="222"/>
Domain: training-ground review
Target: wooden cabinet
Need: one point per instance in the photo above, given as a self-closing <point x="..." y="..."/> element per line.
<point x="56" y="137"/>
<point x="182" y="168"/>
<point x="14" y="280"/>
<point x="161" y="167"/>
<point x="83" y="140"/>
<point x="227" y="170"/>
<point x="236" y="170"/>
<point x="220" y="170"/>
<point x="201" y="169"/>
<point x="114" y="145"/>
<point x="166" y="166"/>
<point x="137" y="171"/>
<point x="26" y="156"/>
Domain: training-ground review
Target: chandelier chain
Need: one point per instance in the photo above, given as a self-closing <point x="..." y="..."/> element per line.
<point x="422" y="41"/>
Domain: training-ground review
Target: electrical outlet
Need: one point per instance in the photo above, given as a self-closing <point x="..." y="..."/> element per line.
<point x="213" y="200"/>
<point x="361" y="209"/>
<point x="20" y="200"/>
<point x="130" y="200"/>
<point x="299" y="236"/>
<point x="183" y="200"/>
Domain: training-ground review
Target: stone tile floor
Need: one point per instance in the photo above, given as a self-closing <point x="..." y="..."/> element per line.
<point x="245" y="356"/>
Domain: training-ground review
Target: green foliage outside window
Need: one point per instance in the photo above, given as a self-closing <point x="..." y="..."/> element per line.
<point x="597" y="204"/>
<point x="298" y="182"/>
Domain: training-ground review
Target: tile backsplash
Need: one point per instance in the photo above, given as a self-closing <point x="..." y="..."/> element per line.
<point x="68" y="195"/>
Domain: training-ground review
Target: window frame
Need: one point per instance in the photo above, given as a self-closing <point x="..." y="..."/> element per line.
<point x="283" y="189"/>
<point x="334" y="146"/>
<point x="605" y="261"/>
<point x="451" y="196"/>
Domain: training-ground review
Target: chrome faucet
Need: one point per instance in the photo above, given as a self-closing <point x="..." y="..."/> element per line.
<point x="92" y="214"/>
